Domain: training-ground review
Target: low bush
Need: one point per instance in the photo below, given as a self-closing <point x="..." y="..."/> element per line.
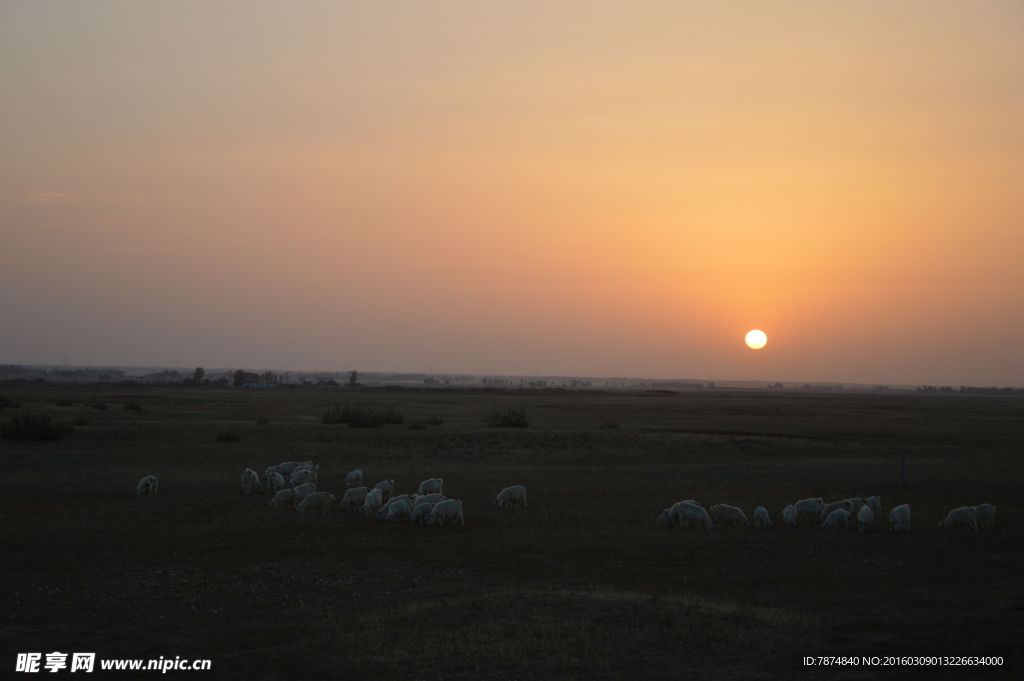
<point x="262" y="421"/>
<point x="228" y="436"/>
<point x="29" y="426"/>
<point x="433" y="420"/>
<point x="100" y="406"/>
<point x="134" y="406"/>
<point x="6" y="401"/>
<point x="417" y="425"/>
<point x="510" y="417"/>
<point x="610" y="424"/>
<point x="65" y="403"/>
<point x="80" y="422"/>
<point x="362" y="417"/>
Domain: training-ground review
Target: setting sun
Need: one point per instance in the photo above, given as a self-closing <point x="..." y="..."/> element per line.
<point x="756" y="339"/>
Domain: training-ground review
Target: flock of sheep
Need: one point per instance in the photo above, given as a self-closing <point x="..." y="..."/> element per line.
<point x="293" y="485"/>
<point x="831" y="516"/>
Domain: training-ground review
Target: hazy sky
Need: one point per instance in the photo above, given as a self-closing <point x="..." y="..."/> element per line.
<point x="557" y="188"/>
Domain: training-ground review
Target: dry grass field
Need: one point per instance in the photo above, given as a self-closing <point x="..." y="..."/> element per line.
<point x="580" y="585"/>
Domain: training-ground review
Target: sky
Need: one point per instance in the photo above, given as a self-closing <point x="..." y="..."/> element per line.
<point x="550" y="188"/>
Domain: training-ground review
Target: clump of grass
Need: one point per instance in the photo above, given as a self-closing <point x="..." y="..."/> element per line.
<point x="80" y="422"/>
<point x="134" y="406"/>
<point x="510" y="417"/>
<point x="611" y="424"/>
<point x="6" y="401"/>
<point x="417" y="425"/>
<point x="433" y="420"/>
<point x="99" y="406"/>
<point x="362" y="417"/>
<point x="228" y="436"/>
<point x="30" y="426"/>
<point x="262" y="421"/>
<point x="65" y="403"/>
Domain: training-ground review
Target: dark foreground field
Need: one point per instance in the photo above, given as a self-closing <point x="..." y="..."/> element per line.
<point x="581" y="584"/>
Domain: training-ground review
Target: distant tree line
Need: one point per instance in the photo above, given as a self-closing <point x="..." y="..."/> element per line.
<point x="968" y="390"/>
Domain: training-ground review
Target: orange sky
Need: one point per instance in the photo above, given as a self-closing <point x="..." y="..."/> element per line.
<point x="573" y="189"/>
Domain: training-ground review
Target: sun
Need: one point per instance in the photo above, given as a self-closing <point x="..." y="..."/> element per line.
<point x="756" y="339"/>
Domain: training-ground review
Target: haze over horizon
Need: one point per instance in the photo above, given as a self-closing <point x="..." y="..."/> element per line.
<point x="594" y="189"/>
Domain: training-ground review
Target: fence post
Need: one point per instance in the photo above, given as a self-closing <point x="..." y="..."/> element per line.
<point x="903" y="471"/>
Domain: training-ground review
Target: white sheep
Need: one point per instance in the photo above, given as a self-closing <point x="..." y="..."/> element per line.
<point x="431" y="486"/>
<point x="855" y="505"/>
<point x="876" y="505"/>
<point x="419" y="513"/>
<point x="961" y="517"/>
<point x="300" y="478"/>
<point x="387" y="488"/>
<point x="728" y="515"/>
<point x="761" y="518"/>
<point x="839" y="516"/>
<point x="864" y="517"/>
<point x="383" y="512"/>
<point x="985" y="515"/>
<point x="448" y="510"/>
<point x="835" y="505"/>
<point x="427" y="499"/>
<point x="809" y="509"/>
<point x="899" y="518"/>
<point x="276" y="483"/>
<point x="789" y="516"/>
<point x="401" y="510"/>
<point x="251" y="482"/>
<point x="313" y="470"/>
<point x="321" y="500"/>
<point x="146" y="487"/>
<point x="304" y="490"/>
<point x="354" y="478"/>
<point x="694" y="515"/>
<point x="270" y="471"/>
<point x="371" y="502"/>
<point x="354" y="498"/>
<point x="286" y="498"/>
<point x="286" y="469"/>
<point x="677" y="513"/>
<point x="668" y="517"/>
<point x="511" y="497"/>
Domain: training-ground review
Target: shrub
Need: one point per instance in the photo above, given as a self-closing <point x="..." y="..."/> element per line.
<point x="510" y="417"/>
<point x="80" y="422"/>
<point x="6" y="401"/>
<point x="392" y="415"/>
<point x="362" y="417"/>
<point x="433" y="420"/>
<point x="417" y="425"/>
<point x="30" y="426"/>
<point x="610" y="424"/>
<point x="101" y="406"/>
<point x="134" y="406"/>
<point x="227" y="436"/>
<point x="262" y="421"/>
<point x="65" y="403"/>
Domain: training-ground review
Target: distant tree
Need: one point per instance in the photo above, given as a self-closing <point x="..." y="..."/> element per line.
<point x="353" y="378"/>
<point x="239" y="377"/>
<point x="198" y="374"/>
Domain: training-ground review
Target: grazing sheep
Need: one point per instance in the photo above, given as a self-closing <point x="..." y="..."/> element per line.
<point x="961" y="517"/>
<point x="300" y="478"/>
<point x="354" y="498"/>
<point x="789" y="516"/>
<point x="321" y="500"/>
<point x="668" y="517"/>
<point x="809" y="509"/>
<point x="400" y="510"/>
<point x="146" y="487"/>
<point x="286" y="469"/>
<point x="728" y="515"/>
<point x="427" y="499"/>
<point x="302" y="491"/>
<point x="448" y="510"/>
<point x="761" y="518"/>
<point x="511" y="497"/>
<point x="864" y="517"/>
<point x="383" y="512"/>
<point x="251" y="482"/>
<point x="355" y="478"/>
<point x="827" y="511"/>
<point x="677" y="513"/>
<point x="876" y="505"/>
<point x="276" y="483"/>
<point x="855" y="505"/>
<point x="432" y="486"/>
<point x="419" y="513"/>
<point x="286" y="498"/>
<point x="313" y="471"/>
<point x="695" y="516"/>
<point x="387" y="488"/>
<point x="985" y="514"/>
<point x="839" y="516"/>
<point x="371" y="503"/>
<point x="899" y="518"/>
<point x="270" y="471"/>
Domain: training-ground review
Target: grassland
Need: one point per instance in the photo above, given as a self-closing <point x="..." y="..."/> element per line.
<point x="581" y="584"/>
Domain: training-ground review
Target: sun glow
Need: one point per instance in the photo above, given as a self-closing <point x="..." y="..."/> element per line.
<point x="756" y="339"/>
